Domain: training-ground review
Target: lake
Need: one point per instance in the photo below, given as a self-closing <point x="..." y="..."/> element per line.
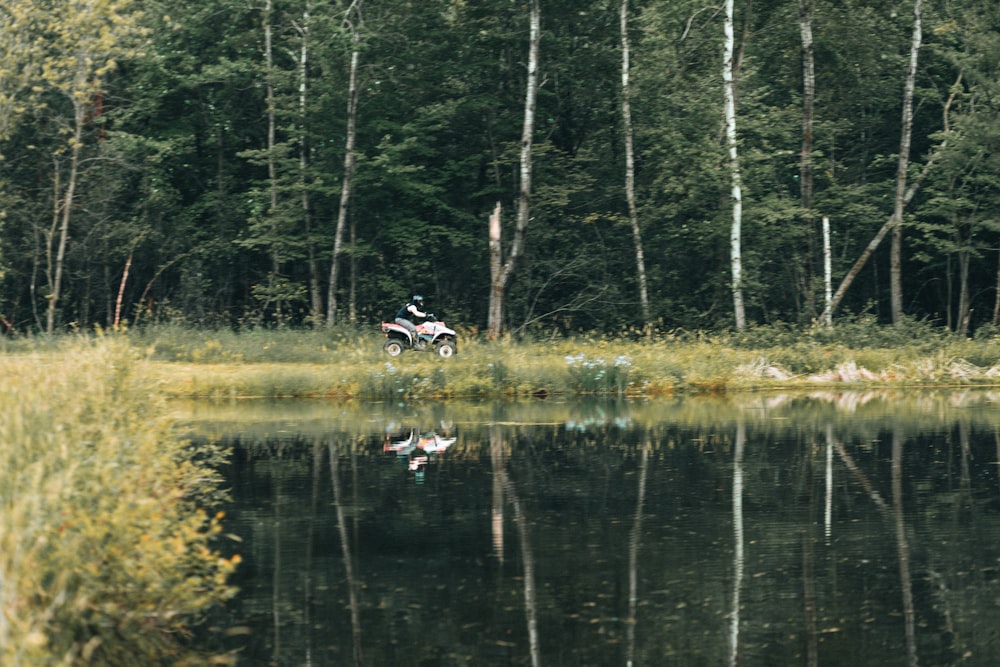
<point x="805" y="529"/>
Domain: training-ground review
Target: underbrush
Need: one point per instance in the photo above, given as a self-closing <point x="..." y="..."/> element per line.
<point x="351" y="362"/>
<point x="224" y="346"/>
<point x="107" y="538"/>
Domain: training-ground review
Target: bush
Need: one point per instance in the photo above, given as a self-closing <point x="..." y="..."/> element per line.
<point x="106" y="537"/>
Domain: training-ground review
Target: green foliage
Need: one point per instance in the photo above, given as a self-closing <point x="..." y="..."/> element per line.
<point x="175" y="172"/>
<point x="107" y="539"/>
<point x="388" y="383"/>
<point x="599" y="376"/>
<point x="857" y="332"/>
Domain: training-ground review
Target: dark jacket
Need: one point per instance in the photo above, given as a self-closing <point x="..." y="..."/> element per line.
<point x="404" y="312"/>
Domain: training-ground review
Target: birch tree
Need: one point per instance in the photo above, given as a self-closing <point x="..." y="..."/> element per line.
<point x="899" y="202"/>
<point x="272" y="125"/>
<point x="303" y="28"/>
<point x="736" y="193"/>
<point x="633" y="215"/>
<point x="86" y="40"/>
<point x="806" y="159"/>
<point x="352" y="19"/>
<point x="903" y="193"/>
<point x="498" y="289"/>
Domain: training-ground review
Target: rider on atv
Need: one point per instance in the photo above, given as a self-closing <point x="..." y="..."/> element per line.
<point x="413" y="310"/>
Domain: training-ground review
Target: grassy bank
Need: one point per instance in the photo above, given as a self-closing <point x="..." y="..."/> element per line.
<point x="314" y="363"/>
<point x="106" y="543"/>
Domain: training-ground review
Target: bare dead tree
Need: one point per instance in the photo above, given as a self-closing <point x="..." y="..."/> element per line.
<point x="498" y="291"/>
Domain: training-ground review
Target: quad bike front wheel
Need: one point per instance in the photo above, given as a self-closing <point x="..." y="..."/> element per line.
<point x="446" y="349"/>
<point x="393" y="347"/>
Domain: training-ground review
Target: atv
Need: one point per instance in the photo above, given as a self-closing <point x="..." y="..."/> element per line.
<point x="431" y="335"/>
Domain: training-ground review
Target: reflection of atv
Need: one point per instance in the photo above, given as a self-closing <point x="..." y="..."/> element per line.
<point x="431" y="335"/>
<point x="418" y="450"/>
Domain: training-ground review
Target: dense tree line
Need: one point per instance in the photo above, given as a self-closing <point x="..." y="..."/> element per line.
<point x="298" y="162"/>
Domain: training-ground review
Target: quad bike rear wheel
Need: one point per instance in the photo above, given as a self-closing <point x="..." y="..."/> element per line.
<point x="446" y="349"/>
<point x="393" y="347"/>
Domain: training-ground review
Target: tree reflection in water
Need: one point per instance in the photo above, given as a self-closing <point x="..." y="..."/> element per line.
<point x="787" y="530"/>
<point x="524" y="539"/>
<point x="634" y="542"/>
<point x="353" y="585"/>
<point x="738" y="557"/>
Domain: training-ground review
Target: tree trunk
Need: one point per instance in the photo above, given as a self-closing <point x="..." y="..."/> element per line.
<point x="315" y="296"/>
<point x="633" y="216"/>
<point x="805" y="160"/>
<point x="962" y="319"/>
<point x="79" y="116"/>
<point x="272" y="168"/>
<point x="494" y="319"/>
<point x="353" y="20"/>
<point x="352" y="295"/>
<point x="735" y="241"/>
<point x="827" y="272"/>
<point x="877" y="239"/>
<point x="121" y="292"/>
<point x="896" y="278"/>
<point x="498" y="292"/>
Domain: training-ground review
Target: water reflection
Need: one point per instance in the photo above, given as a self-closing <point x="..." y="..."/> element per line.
<point x="417" y="450"/>
<point x="765" y="530"/>
<point x="738" y="557"/>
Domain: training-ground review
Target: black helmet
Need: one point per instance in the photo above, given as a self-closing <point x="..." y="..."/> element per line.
<point x="417" y="298"/>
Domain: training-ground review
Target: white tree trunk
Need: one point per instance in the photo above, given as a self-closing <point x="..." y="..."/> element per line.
<point x="735" y="234"/>
<point x="827" y="273"/>
<point x="353" y="19"/>
<point x="908" y="192"/>
<point x="633" y="216"/>
<point x="805" y="159"/>
<point x="808" y="102"/>
<point x="272" y="169"/>
<point x="79" y="116"/>
<point x="315" y="296"/>
<point x="896" y="278"/>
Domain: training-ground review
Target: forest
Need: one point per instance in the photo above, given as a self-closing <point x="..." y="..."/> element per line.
<point x="526" y="165"/>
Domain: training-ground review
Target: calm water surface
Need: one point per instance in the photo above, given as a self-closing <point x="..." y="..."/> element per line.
<point x="830" y="529"/>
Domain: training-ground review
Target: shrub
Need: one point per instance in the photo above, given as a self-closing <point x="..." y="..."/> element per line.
<point x="106" y="536"/>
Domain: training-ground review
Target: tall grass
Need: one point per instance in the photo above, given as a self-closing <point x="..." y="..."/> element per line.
<point x="106" y="543"/>
<point x="351" y="363"/>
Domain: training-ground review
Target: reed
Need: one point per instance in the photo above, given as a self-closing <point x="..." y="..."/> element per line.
<point x="107" y="543"/>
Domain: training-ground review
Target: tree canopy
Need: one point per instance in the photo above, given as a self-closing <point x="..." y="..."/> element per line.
<point x="213" y="139"/>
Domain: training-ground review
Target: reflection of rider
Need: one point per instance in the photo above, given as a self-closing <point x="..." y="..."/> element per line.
<point x="412" y="310"/>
